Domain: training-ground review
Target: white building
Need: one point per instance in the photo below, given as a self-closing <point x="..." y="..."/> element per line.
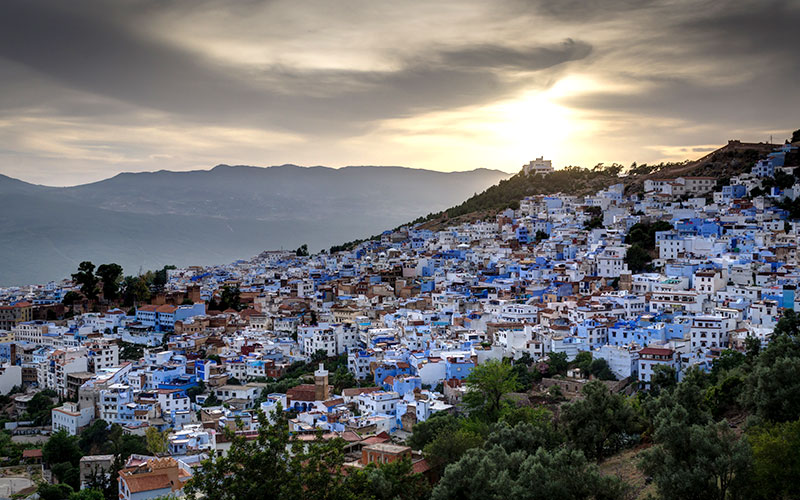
<point x="649" y="357"/>
<point x="711" y="331"/>
<point x="379" y="402"/>
<point x="71" y="418"/>
<point x="611" y="262"/>
<point x="538" y="166"/>
<point x="623" y="361"/>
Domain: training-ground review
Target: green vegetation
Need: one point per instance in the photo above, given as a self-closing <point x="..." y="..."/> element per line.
<point x="110" y="275"/>
<point x="340" y="378"/>
<point x="638" y="259"/>
<point x="561" y="474"/>
<point x="130" y="290"/>
<point x="40" y="407"/>
<point x="157" y="441"/>
<point x="346" y="247"/>
<point x="596" y="367"/>
<point x="507" y="193"/>
<point x="63" y="452"/>
<point x="230" y="298"/>
<point x="302" y="251"/>
<point x="487" y="383"/>
<point x="644" y="233"/>
<point x="131" y="352"/>
<point x="642" y="238"/>
<point x="601" y="423"/>
<point x="86" y="280"/>
<point x="276" y="466"/>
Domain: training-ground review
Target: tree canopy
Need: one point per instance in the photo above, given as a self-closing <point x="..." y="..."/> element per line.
<point x="486" y="385"/>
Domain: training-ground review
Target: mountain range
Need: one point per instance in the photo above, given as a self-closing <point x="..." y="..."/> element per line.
<point x="147" y="220"/>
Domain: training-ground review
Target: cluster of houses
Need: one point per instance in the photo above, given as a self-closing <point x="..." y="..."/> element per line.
<point x="412" y="313"/>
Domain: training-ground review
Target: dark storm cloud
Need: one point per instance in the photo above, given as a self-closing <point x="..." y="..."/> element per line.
<point x="104" y="86"/>
<point x="102" y="53"/>
<point x="582" y="10"/>
<point x="745" y="69"/>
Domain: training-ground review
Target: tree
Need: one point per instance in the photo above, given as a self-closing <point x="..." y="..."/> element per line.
<point x="61" y="447"/>
<point x="161" y="277"/>
<point x="86" y="279"/>
<point x="450" y="446"/>
<point x="697" y="461"/>
<point x="134" y="290"/>
<point x="63" y="455"/>
<point x="637" y="258"/>
<point x="600" y="369"/>
<point x="302" y="251"/>
<point x="525" y="376"/>
<point x="525" y="436"/>
<point x="211" y="400"/>
<point x="319" y="356"/>
<point x="644" y="233"/>
<point x="342" y="379"/>
<point x="788" y="324"/>
<point x="54" y="491"/>
<point x="40" y="407"/>
<point x="71" y="297"/>
<point x="664" y="378"/>
<point x="795" y="136"/>
<point x="111" y="277"/>
<point x="772" y="389"/>
<point x="541" y="236"/>
<point x="131" y="351"/>
<point x="486" y="385"/>
<point x="426" y="431"/>
<point x="593" y="223"/>
<point x="601" y="422"/>
<point x="752" y="347"/>
<point x="157" y="441"/>
<point x="196" y="390"/>
<point x="93" y="440"/>
<point x="583" y="360"/>
<point x="557" y="363"/>
<point x="559" y="475"/>
<point x="513" y="415"/>
<point x="87" y="494"/>
<point x="392" y="481"/>
<point x="776" y="462"/>
<point x="727" y="360"/>
<point x="272" y="466"/>
<point x="230" y="298"/>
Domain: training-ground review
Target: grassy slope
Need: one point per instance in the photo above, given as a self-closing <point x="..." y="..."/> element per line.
<point x="725" y="162"/>
<point x="623" y="465"/>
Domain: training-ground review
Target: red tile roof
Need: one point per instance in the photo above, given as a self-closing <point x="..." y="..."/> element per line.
<point x="657" y="351"/>
<point x="147" y="483"/>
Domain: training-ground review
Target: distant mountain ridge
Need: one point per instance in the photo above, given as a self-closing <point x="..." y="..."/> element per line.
<point x="211" y="216"/>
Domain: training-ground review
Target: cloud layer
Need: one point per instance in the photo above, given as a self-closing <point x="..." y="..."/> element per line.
<point x="92" y="88"/>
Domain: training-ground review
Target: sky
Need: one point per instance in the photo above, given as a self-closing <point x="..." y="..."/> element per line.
<point x="89" y="89"/>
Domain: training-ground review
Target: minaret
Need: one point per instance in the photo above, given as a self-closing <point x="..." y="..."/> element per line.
<point x="321" y="389"/>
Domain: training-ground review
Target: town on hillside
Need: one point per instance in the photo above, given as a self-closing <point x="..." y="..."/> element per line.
<point x="362" y="347"/>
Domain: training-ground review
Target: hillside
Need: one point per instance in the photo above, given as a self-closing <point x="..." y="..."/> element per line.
<point x="213" y="216"/>
<point x="730" y="160"/>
